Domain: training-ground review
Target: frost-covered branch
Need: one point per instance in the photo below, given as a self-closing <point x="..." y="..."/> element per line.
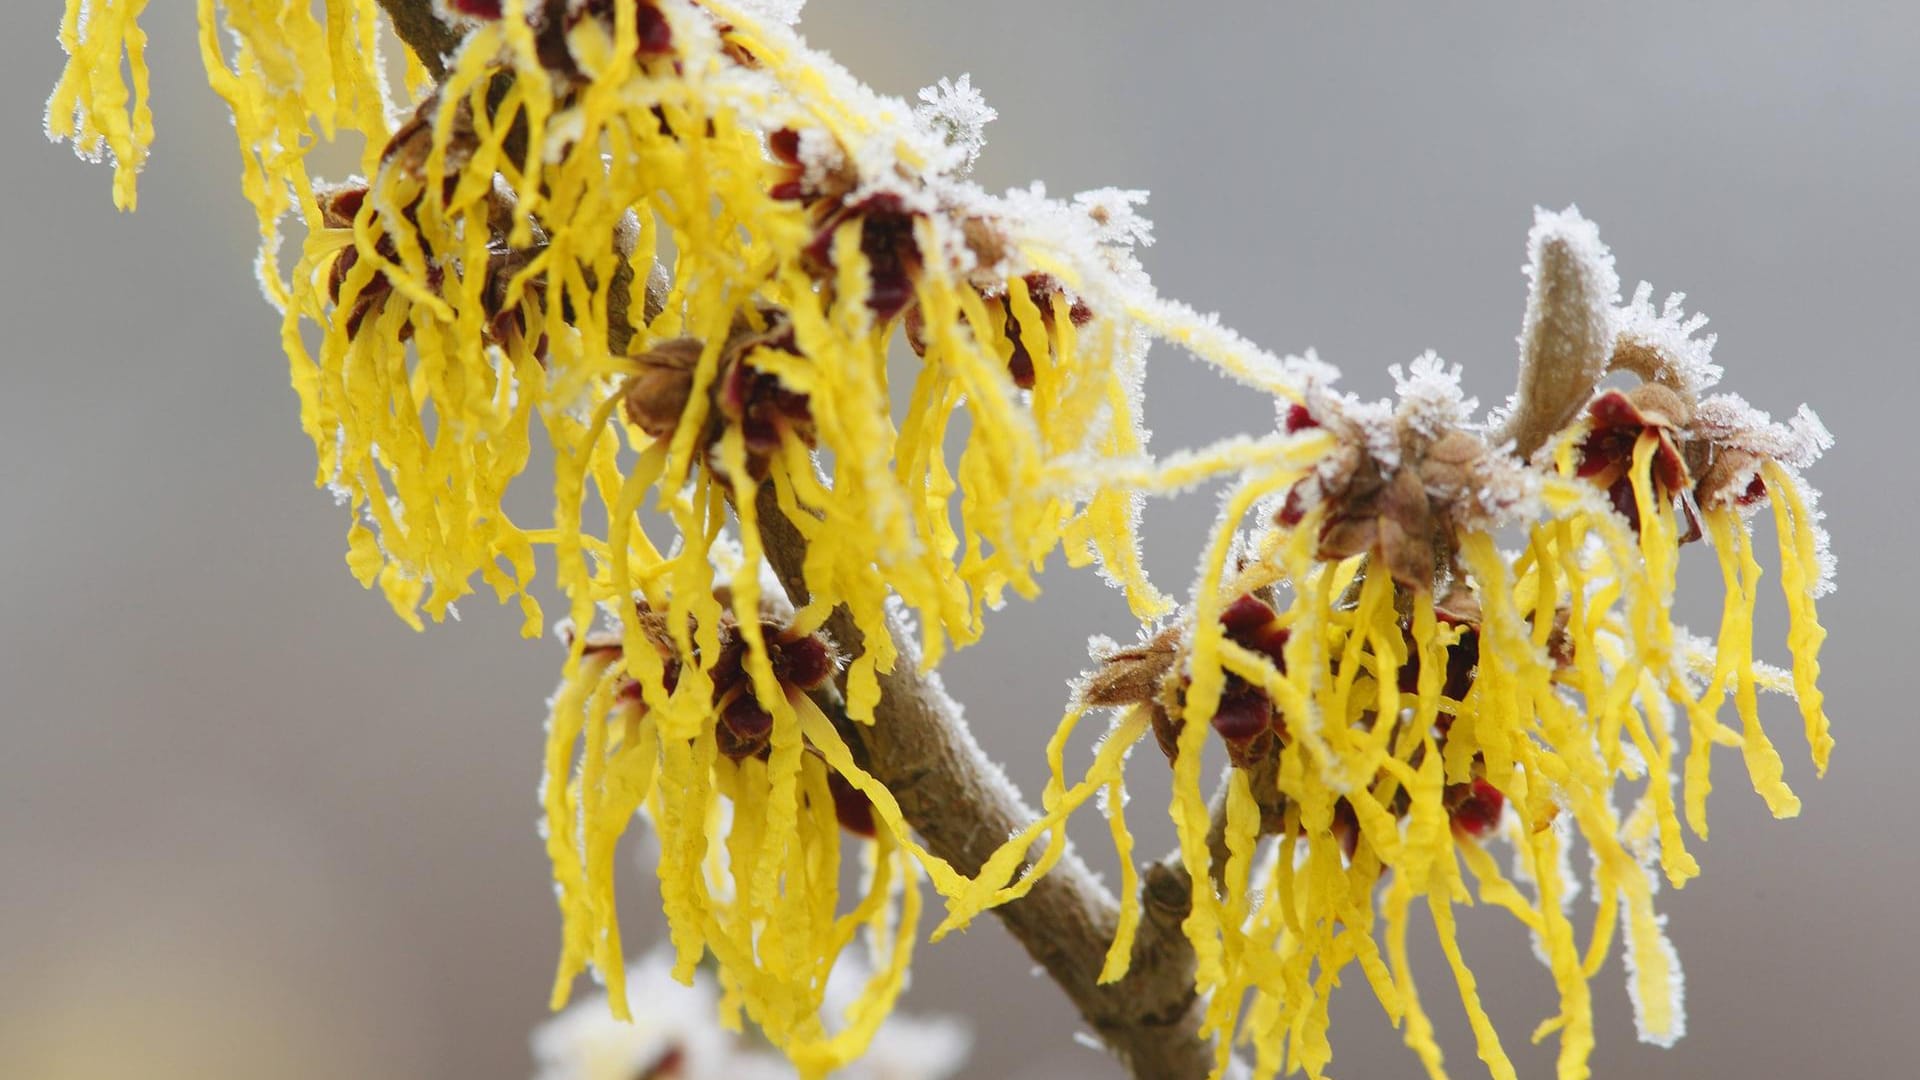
<point x="962" y="803"/>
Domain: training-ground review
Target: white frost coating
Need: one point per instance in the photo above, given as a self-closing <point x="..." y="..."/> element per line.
<point x="1086" y="245"/>
<point x="1728" y="420"/>
<point x="1515" y="831"/>
<point x="783" y="12"/>
<point x="1103" y="798"/>
<point x="1642" y="838"/>
<point x="1676" y="984"/>
<point x="1633" y="762"/>
<point x="1100" y="646"/>
<point x="1368" y="423"/>
<point x="893" y="134"/>
<point x="959" y="114"/>
<point x="1180" y="471"/>
<point x="1823" y="558"/>
<point x="820" y="155"/>
<point x="1504" y="490"/>
<point x="1657" y="703"/>
<point x="1115" y="215"/>
<point x="1234" y="356"/>
<point x="1697" y="659"/>
<point x="1686" y="362"/>
<point x="1567" y="235"/>
<point x="725" y="554"/>
<point x="1431" y="399"/>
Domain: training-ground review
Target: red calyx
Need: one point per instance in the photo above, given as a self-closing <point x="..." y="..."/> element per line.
<point x="1475" y="807"/>
<point x="1606" y="455"/>
<point x="1251" y="623"/>
<point x="886" y="239"/>
<point x="1463" y="656"/>
<point x="1242" y="714"/>
<point x="340" y="206"/>
<point x="850" y="806"/>
<point x="1043" y="288"/>
<point x="1245" y="715"/>
<point x="1020" y="364"/>
<point x="656" y="36"/>
<point x="744" y="727"/>
<point x="803" y="663"/>
<point x="784" y="145"/>
<point x="1345" y="827"/>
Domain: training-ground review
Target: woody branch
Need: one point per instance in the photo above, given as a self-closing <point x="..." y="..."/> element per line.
<point x="953" y="795"/>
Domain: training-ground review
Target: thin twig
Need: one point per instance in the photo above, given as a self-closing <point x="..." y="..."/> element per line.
<point x="429" y="36"/>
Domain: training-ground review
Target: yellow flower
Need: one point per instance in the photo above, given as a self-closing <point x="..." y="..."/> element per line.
<point x="676" y="245"/>
<point x="1395" y="691"/>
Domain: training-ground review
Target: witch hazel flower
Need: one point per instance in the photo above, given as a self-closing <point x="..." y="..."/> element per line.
<point x="1396" y="694"/>
<point x="676" y="246"/>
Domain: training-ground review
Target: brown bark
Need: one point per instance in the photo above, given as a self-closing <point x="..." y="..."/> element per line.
<point x="949" y="793"/>
<point x="430" y="38"/>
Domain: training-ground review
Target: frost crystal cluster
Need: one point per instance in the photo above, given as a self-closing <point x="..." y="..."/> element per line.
<point x="674" y="243"/>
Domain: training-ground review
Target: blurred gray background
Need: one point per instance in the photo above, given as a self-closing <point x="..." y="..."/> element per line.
<point x="251" y="826"/>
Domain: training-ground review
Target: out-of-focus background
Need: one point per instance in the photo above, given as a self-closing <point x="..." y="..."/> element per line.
<point x="251" y="826"/>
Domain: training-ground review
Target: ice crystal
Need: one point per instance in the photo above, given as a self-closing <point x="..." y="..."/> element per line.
<point x="957" y="112"/>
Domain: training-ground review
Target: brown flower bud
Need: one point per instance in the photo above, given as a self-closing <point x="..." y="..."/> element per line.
<point x="1390" y="519"/>
<point x="340" y="205"/>
<point x="1132" y="676"/>
<point x="655" y="398"/>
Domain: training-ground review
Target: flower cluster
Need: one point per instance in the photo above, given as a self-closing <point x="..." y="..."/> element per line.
<point x="1394" y="692"/>
<point x="763" y="902"/>
<point x="677" y="245"/>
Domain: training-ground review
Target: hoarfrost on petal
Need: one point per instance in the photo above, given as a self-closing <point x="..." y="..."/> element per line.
<point x="1431" y="398"/>
<point x="1728" y="420"/>
<point x="1663" y="342"/>
<point x="956" y="112"/>
<point x="783" y="12"/>
<point x="1676" y="1003"/>
<point x="1116" y="217"/>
